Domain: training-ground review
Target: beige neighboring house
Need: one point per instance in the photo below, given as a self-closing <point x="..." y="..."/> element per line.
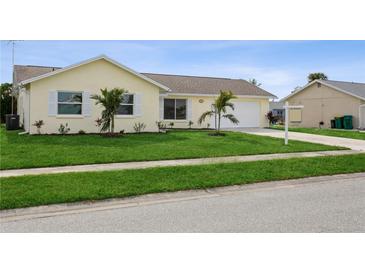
<point x="62" y="95"/>
<point x="325" y="99"/>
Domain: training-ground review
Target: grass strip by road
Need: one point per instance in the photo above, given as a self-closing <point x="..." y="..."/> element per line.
<point x="29" y="151"/>
<point x="350" y="134"/>
<point x="26" y="191"/>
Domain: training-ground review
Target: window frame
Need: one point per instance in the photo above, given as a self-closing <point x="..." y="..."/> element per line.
<point x="69" y="103"/>
<point x="295" y="112"/>
<point x="128" y="104"/>
<point x="186" y="109"/>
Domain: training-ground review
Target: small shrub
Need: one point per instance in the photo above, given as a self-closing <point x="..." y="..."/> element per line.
<point x="139" y="127"/>
<point x="63" y="129"/>
<point x="82" y="132"/>
<point x="121" y="131"/>
<point x="190" y="124"/>
<point x="38" y="124"/>
<point x="271" y="117"/>
<point x="161" y="126"/>
<point x="171" y="124"/>
<point x="208" y="125"/>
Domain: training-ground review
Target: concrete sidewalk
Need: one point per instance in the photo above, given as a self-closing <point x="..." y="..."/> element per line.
<point x="167" y="163"/>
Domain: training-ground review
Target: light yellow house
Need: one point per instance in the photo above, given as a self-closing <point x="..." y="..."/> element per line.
<point x="323" y="100"/>
<point x="62" y="95"/>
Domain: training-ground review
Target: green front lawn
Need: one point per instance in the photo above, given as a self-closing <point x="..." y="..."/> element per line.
<point x="26" y="151"/>
<point x="352" y="134"/>
<point x="28" y="191"/>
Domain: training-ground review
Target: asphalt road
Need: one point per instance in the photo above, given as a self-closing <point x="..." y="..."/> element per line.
<point x="322" y="204"/>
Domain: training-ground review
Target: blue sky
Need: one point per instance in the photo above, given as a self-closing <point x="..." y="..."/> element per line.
<point x="279" y="65"/>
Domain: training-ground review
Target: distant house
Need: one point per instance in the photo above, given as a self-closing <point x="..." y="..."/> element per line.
<point x="323" y="100"/>
<point x="62" y="95"/>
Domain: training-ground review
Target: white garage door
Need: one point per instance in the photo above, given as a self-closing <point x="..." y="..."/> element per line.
<point x="247" y="113"/>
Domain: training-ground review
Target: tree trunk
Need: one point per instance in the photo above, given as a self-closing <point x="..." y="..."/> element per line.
<point x="219" y="122"/>
<point x="215" y="119"/>
<point x="112" y="124"/>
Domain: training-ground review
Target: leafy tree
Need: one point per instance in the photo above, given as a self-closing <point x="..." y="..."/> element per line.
<point x="219" y="110"/>
<point x="317" y="76"/>
<point x="5" y="98"/>
<point x="110" y="100"/>
<point x="254" y="82"/>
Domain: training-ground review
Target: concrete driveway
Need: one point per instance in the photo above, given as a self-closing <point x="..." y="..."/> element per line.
<point x="353" y="144"/>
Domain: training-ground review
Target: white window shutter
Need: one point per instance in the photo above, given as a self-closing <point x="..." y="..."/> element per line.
<point x="86" y="104"/>
<point x="52" y="103"/>
<point x="161" y="108"/>
<point x="137" y="107"/>
<point x="189" y="109"/>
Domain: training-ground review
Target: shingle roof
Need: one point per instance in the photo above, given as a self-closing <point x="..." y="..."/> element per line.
<point x="357" y="89"/>
<point x="177" y="83"/>
<point x="22" y="73"/>
<point x="207" y="85"/>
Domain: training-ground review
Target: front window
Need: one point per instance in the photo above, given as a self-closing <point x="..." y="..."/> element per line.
<point x="126" y="107"/>
<point x="69" y="103"/>
<point x="175" y="109"/>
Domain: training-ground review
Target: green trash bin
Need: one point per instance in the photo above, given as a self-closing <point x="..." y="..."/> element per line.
<point x="339" y="122"/>
<point x="333" y="124"/>
<point x="347" y="122"/>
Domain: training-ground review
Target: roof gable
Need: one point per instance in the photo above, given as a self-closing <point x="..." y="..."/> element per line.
<point x="101" y="57"/>
<point x="353" y="89"/>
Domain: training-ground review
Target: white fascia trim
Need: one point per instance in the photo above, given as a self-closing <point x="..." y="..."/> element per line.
<point x="92" y="60"/>
<point x="323" y="83"/>
<point x="214" y="95"/>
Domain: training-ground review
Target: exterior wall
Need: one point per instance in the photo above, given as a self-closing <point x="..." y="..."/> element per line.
<point x="92" y="77"/>
<point x="99" y="74"/>
<point x="323" y="104"/>
<point x="201" y="104"/>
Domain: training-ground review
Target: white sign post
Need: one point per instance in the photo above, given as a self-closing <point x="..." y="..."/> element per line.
<point x="287" y="107"/>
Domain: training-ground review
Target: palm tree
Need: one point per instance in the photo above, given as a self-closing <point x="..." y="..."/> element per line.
<point x="219" y="110"/>
<point x="317" y="76"/>
<point x="254" y="82"/>
<point x="110" y="100"/>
